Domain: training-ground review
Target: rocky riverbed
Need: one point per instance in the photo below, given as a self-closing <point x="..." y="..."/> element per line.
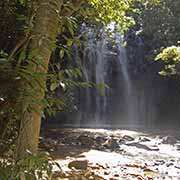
<point x="112" y="154"/>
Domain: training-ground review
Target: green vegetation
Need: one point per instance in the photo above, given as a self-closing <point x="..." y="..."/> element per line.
<point x="29" y="31"/>
<point x="33" y="167"/>
<point x="36" y="41"/>
<point x="171" y="57"/>
<point x="157" y="24"/>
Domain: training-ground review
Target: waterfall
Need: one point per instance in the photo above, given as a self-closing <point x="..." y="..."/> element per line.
<point x="104" y="61"/>
<point x="99" y="54"/>
<point x="123" y="65"/>
<point x="94" y="67"/>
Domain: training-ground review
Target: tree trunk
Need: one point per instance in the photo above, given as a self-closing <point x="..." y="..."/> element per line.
<point x="43" y="36"/>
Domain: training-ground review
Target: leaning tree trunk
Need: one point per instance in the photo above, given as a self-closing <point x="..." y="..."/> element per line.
<point x="43" y="36"/>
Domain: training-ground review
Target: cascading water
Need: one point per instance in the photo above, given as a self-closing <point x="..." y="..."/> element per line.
<point x="94" y="67"/>
<point x="98" y="53"/>
<point x="105" y="61"/>
<point x="123" y="65"/>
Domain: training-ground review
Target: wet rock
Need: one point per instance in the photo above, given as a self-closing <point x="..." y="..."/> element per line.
<point x="116" y="175"/>
<point x="142" y="146"/>
<point x="111" y="143"/>
<point x="172" y="160"/>
<point x="144" y="139"/>
<point x="67" y="140"/>
<point x="106" y="173"/>
<point x="169" y="164"/>
<point x="177" y="166"/>
<point x="85" y="140"/>
<point x="125" y="139"/>
<point x="169" y="140"/>
<point x="112" y="179"/>
<point x="100" y="139"/>
<point x="178" y="147"/>
<point x="122" y="141"/>
<point x="78" y="164"/>
<point x="81" y="175"/>
<point x="159" y="162"/>
<point x="154" y="148"/>
<point x="128" y="138"/>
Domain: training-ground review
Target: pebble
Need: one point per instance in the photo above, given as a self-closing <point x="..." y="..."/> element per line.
<point x="159" y="162"/>
<point x="169" y="164"/>
<point x="177" y="166"/>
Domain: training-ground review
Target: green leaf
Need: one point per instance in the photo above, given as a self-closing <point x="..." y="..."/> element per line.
<point x="69" y="42"/>
<point x="53" y="86"/>
<point x="22" y="55"/>
<point x="62" y="53"/>
<point x="22" y="2"/>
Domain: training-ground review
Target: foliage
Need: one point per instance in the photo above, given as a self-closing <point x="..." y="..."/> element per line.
<point x="9" y="107"/>
<point x="160" y="25"/>
<point x="171" y="57"/>
<point x="20" y="82"/>
<point x="157" y="27"/>
<point x="112" y="10"/>
<point x="32" y="167"/>
<point x="157" y="22"/>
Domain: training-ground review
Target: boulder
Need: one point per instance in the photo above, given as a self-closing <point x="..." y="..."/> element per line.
<point x="111" y="143"/>
<point x="78" y="164"/>
<point x="85" y="141"/>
